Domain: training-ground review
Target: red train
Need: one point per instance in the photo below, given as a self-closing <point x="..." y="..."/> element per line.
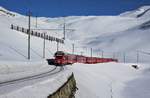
<point x="62" y="58"/>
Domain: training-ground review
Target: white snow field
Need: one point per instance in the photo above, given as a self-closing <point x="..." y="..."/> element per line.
<point x="35" y="88"/>
<point x="117" y="36"/>
<point x="97" y="81"/>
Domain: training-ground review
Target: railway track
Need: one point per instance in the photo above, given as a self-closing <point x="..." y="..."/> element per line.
<point x="29" y="78"/>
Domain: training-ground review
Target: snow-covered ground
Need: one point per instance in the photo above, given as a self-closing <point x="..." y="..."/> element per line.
<point x="117" y="36"/>
<point x="93" y="81"/>
<point x="39" y="87"/>
<point x="97" y="80"/>
<point x="16" y="70"/>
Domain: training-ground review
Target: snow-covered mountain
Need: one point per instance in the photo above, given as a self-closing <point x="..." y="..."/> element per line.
<point x="114" y="35"/>
<point x="128" y="32"/>
<point x="138" y="13"/>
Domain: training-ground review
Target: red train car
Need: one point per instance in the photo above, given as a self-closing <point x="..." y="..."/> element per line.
<point x="89" y="60"/>
<point x="81" y="59"/>
<point x="62" y="58"/>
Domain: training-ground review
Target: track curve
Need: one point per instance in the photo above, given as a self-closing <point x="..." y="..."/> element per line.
<point x="42" y="75"/>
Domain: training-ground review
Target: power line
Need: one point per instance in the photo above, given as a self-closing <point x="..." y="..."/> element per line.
<point x="17" y="51"/>
<point x="148" y="53"/>
<point x="36" y="53"/>
<point x="52" y="29"/>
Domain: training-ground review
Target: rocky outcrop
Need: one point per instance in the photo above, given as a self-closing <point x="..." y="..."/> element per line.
<point x="67" y="90"/>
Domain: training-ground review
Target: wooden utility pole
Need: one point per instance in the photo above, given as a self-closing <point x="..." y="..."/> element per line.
<point x="137" y="57"/>
<point x="36" y="22"/>
<point x="44" y="45"/>
<point x="64" y="30"/>
<point x="29" y="25"/>
<point x="114" y="55"/>
<point x="57" y="46"/>
<point x="124" y="57"/>
<point x="81" y="53"/>
<point x="72" y="48"/>
<point x="102" y="54"/>
<point x="91" y="52"/>
<point x="85" y="49"/>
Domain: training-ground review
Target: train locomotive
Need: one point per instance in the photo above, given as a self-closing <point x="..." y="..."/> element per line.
<point x="62" y="58"/>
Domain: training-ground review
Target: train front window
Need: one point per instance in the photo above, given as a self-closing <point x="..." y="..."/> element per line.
<point x="59" y="57"/>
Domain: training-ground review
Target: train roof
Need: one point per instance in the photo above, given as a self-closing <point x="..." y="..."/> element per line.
<point x="59" y="53"/>
<point x="64" y="53"/>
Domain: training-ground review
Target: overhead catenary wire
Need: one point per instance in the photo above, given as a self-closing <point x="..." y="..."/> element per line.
<point x="147" y="53"/>
<point x="36" y="52"/>
<point x="49" y="51"/>
<point x="17" y="51"/>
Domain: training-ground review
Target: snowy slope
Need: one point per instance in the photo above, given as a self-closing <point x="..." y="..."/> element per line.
<point x="13" y="44"/>
<point x="97" y="81"/>
<point x="138" y="13"/>
<point x="125" y="33"/>
<point x="112" y="34"/>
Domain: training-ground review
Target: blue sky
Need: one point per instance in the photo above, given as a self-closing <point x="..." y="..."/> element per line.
<point x="57" y="8"/>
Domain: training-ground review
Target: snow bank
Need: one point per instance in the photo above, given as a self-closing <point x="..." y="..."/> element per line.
<point x="97" y="80"/>
<point x="15" y="70"/>
<point x="39" y="88"/>
<point x="138" y="87"/>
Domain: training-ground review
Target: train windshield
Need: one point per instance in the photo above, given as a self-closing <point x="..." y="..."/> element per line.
<point x="59" y="57"/>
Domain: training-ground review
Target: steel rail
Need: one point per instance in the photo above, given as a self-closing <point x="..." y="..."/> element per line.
<point x="42" y="75"/>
